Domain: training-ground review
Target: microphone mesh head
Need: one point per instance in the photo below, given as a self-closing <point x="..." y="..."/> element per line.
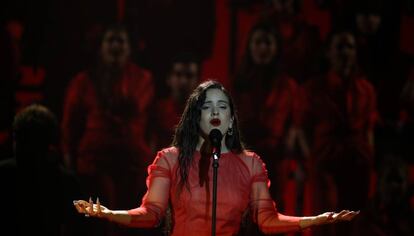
<point x="215" y="137"/>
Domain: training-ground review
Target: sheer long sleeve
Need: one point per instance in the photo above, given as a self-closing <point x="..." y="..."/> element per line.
<point x="155" y="201"/>
<point x="264" y="210"/>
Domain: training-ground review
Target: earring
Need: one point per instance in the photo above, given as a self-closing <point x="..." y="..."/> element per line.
<point x="230" y="131"/>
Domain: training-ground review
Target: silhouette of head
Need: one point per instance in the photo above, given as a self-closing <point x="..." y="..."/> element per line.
<point x="36" y="132"/>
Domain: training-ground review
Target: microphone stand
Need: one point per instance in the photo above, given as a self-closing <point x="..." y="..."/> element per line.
<point x="216" y="156"/>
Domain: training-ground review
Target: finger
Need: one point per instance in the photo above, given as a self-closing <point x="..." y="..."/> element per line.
<point x="98" y="205"/>
<point x="340" y="214"/>
<point x="351" y="215"/>
<point x="90" y="212"/>
<point x="347" y="216"/>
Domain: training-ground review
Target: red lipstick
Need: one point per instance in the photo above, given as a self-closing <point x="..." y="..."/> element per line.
<point x="215" y="122"/>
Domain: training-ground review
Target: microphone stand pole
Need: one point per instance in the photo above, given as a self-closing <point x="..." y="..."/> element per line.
<point x="216" y="156"/>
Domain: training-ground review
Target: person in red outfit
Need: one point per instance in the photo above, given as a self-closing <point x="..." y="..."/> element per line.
<point x="301" y="40"/>
<point x="259" y="82"/>
<point x="338" y="116"/>
<point x="105" y="120"/>
<point x="181" y="175"/>
<point x="183" y="77"/>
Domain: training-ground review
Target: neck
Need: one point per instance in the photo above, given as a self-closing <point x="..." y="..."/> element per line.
<point x="201" y="140"/>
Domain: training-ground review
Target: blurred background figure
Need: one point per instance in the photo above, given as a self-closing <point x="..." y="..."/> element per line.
<point x="182" y="78"/>
<point x="7" y="87"/>
<point x="389" y="212"/>
<point x="339" y="115"/>
<point x="406" y="107"/>
<point x="378" y="57"/>
<point x="405" y="129"/>
<point x="22" y="73"/>
<point x="301" y="41"/>
<point x="169" y="28"/>
<point x="104" y="123"/>
<point x="36" y="174"/>
<point x="266" y="98"/>
<point x="373" y="53"/>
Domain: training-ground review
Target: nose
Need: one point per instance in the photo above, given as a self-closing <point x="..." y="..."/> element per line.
<point x="214" y="111"/>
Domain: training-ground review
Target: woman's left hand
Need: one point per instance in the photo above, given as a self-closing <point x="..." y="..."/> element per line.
<point x="333" y="217"/>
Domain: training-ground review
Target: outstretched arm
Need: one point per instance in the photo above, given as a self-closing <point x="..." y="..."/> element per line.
<point x="270" y="221"/>
<point x="267" y="217"/>
<point x="153" y="204"/>
<point x="97" y="210"/>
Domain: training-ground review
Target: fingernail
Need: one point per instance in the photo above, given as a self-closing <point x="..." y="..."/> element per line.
<point x="74" y="202"/>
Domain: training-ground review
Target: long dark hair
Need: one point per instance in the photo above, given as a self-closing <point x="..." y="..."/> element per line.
<point x="188" y="131"/>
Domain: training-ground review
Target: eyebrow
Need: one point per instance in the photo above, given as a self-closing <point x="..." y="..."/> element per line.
<point x="219" y="101"/>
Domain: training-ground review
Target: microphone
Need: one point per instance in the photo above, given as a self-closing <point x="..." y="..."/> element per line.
<point x="215" y="137"/>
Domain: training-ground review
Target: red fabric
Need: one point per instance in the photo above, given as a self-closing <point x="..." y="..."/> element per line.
<point x="167" y="114"/>
<point x="216" y="65"/>
<point x="331" y="110"/>
<point x="268" y="109"/>
<point x="266" y="127"/>
<point x="300" y="43"/>
<point x="407" y="34"/>
<point x="280" y="107"/>
<point x="241" y="184"/>
<point x="93" y="135"/>
<point x="337" y="119"/>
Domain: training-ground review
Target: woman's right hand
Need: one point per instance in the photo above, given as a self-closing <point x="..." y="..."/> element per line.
<point x="91" y="209"/>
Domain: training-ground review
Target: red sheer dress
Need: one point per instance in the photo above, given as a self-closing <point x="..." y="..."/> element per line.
<point x="242" y="184"/>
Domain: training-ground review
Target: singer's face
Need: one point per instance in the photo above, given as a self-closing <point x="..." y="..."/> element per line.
<point x="215" y="112"/>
